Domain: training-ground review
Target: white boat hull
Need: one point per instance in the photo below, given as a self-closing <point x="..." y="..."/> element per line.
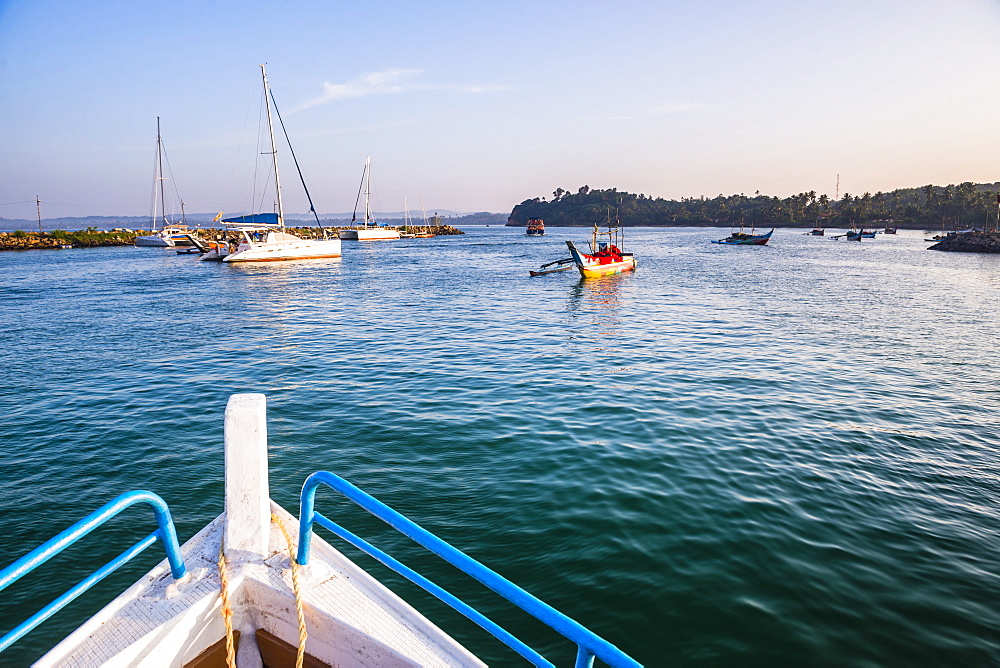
<point x="301" y="249"/>
<point x="368" y="234"/>
<point x="160" y="242"/>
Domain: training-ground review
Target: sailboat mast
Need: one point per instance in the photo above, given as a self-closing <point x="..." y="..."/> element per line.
<point x="368" y="187"/>
<point x="159" y="177"/>
<point x="274" y="148"/>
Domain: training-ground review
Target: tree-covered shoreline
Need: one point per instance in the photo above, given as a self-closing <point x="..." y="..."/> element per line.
<point x="959" y="206"/>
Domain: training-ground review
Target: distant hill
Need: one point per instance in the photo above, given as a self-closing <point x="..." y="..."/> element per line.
<point x="928" y="207"/>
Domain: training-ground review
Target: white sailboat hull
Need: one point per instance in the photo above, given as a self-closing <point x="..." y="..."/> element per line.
<point x="154" y="241"/>
<point x="300" y="249"/>
<point x="368" y="234"/>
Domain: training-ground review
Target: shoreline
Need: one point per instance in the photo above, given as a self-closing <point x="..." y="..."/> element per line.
<point x="60" y="240"/>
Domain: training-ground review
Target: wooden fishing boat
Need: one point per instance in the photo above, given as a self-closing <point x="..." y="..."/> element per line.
<point x="536" y="227"/>
<point x="605" y="257"/>
<point x="742" y="238"/>
<point x="257" y="587"/>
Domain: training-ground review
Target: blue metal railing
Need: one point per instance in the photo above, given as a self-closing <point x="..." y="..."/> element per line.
<point x="165" y="532"/>
<point x="589" y="645"/>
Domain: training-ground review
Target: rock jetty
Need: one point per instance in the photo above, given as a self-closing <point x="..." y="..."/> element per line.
<point x="969" y="242"/>
<point x="20" y="240"/>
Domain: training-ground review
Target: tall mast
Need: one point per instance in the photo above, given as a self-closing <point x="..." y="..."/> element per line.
<point x="159" y="177"/>
<point x="38" y="204"/>
<point x="368" y="188"/>
<point x="274" y="149"/>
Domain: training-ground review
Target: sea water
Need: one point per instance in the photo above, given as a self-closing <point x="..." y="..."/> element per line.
<point x="782" y="455"/>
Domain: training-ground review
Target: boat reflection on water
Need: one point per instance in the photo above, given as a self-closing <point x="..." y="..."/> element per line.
<point x="595" y="306"/>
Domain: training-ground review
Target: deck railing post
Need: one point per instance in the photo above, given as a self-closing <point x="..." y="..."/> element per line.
<point x="248" y="504"/>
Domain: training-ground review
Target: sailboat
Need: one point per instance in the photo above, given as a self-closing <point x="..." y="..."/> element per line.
<point x="426" y="234"/>
<point x="407" y="223"/>
<point x="370" y="230"/>
<point x="168" y="234"/>
<point x="263" y="237"/>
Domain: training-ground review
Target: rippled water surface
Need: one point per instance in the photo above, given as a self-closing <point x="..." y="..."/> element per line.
<point x="776" y="456"/>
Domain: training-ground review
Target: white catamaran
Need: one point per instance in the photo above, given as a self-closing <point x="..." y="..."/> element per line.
<point x="263" y="237"/>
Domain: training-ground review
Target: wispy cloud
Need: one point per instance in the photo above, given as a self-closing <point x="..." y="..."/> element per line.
<point x="392" y="81"/>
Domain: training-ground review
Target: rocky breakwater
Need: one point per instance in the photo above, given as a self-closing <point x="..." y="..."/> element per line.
<point x="969" y="242"/>
<point x="20" y="240"/>
<point x="317" y="233"/>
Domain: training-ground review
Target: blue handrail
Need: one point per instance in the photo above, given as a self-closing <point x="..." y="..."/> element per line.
<point x="589" y="644"/>
<point x="165" y="532"/>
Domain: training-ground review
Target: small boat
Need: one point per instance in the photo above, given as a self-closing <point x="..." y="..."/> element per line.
<point x="169" y="234"/>
<point x="850" y="235"/>
<point x="428" y="234"/>
<point x="536" y="227"/>
<point x="605" y="257"/>
<point x="820" y="228"/>
<point x="369" y="230"/>
<point x="256" y="586"/>
<point x="263" y="237"/>
<point x="742" y="238"/>
<point x="558" y="265"/>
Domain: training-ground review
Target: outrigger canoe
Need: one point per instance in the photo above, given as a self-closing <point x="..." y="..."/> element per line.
<point x="558" y="265"/>
<point x="743" y="239"/>
<point x="607" y="260"/>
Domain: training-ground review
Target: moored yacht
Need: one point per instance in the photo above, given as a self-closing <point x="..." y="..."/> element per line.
<point x="369" y="230"/>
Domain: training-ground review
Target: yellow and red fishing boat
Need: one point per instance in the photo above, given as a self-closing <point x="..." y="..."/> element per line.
<point x="605" y="257"/>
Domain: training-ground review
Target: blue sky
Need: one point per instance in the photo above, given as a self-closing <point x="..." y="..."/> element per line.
<point x="476" y="107"/>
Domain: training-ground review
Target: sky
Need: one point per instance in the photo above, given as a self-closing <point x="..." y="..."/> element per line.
<point x="471" y="106"/>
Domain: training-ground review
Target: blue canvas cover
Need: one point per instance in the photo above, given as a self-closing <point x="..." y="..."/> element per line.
<point x="254" y="219"/>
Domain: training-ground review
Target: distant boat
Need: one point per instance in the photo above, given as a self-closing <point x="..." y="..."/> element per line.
<point x="369" y="230"/>
<point x="605" y="257"/>
<point x="819" y="230"/>
<point x="428" y="234"/>
<point x="850" y="235"/>
<point x="742" y="239"/>
<point x="536" y="227"/>
<point x="169" y="234"/>
<point x="263" y="237"/>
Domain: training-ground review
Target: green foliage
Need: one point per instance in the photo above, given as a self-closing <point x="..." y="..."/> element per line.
<point x="19" y="234"/>
<point x="964" y="205"/>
